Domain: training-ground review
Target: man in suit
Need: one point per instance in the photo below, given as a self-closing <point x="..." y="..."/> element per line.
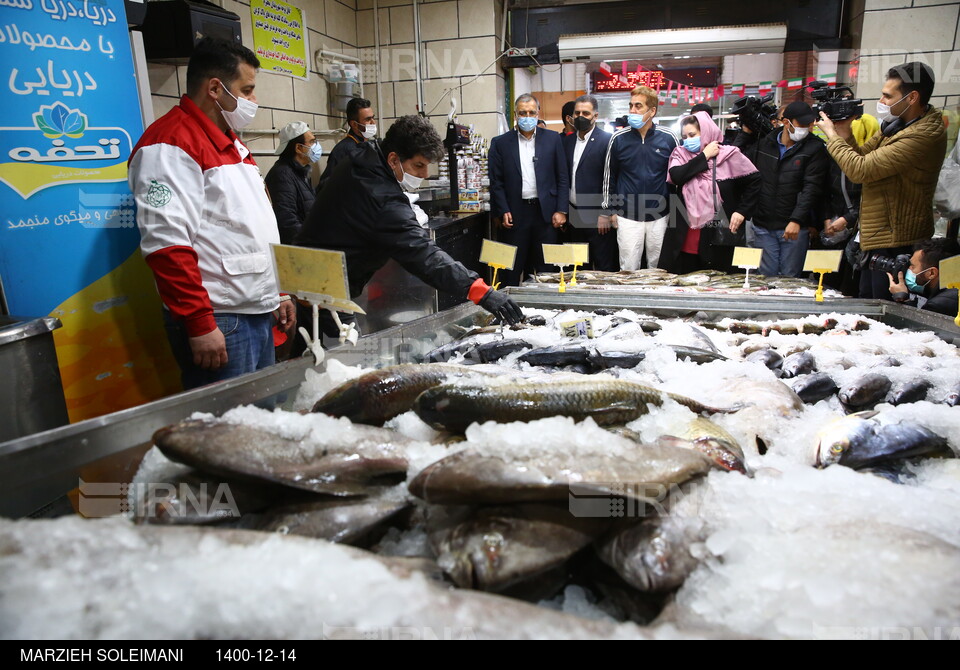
<point x="528" y="188"/>
<point x="586" y="150"/>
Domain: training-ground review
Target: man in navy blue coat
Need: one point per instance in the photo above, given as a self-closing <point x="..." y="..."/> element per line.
<point x="528" y="188"/>
<point x="586" y="151"/>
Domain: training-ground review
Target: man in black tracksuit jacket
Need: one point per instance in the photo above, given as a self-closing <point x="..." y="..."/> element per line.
<point x="364" y="212"/>
<point x="793" y="170"/>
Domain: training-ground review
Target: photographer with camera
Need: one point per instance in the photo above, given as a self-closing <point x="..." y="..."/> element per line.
<point x="757" y="118"/>
<point x="922" y="278"/>
<point x="898" y="169"/>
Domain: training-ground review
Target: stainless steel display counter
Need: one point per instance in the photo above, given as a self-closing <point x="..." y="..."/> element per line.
<point x="36" y="472"/>
<point x="394" y="296"/>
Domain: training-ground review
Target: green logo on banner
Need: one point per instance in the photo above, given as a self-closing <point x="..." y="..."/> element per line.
<point x="158" y="195"/>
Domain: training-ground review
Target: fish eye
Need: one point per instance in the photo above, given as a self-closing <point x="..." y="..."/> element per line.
<point x="838" y="448"/>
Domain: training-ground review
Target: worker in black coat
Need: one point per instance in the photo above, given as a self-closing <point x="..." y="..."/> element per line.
<point x="288" y="181"/>
<point x="365" y="213"/>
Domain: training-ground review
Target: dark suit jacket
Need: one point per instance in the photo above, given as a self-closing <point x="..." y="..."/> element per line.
<point x="506" y="181"/>
<point x="588" y="181"/>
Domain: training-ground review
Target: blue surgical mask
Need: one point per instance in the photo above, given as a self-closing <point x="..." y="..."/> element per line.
<point x="316" y="151"/>
<point x="527" y="123"/>
<point x="636" y="121"/>
<point x="911" y="280"/>
<point x="692" y="144"/>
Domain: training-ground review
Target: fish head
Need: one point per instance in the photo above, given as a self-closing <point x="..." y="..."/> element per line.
<point x="838" y="437"/>
<point x="345" y="400"/>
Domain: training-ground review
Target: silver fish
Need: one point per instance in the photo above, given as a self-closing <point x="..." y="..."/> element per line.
<point x="862" y="440"/>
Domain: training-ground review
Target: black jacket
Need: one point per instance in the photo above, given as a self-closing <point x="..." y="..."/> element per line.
<point x="747" y="144"/>
<point x="738" y="195"/>
<point x="837" y="182"/>
<point x="588" y="181"/>
<point x="343" y="149"/>
<point x="506" y="178"/>
<point x="364" y="213"/>
<point x="792" y="187"/>
<point x="944" y="302"/>
<point x="291" y="195"/>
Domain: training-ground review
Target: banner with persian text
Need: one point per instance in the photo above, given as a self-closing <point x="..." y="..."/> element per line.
<point x="280" y="38"/>
<point x="69" y="244"/>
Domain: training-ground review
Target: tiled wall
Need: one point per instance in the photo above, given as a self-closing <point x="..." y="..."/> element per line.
<point x="332" y="25"/>
<point x="891" y="32"/>
<point x="461" y="39"/>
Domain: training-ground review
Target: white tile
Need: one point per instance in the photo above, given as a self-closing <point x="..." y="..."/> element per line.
<point x="365" y="31"/>
<point x="163" y="79"/>
<point x="438" y="21"/>
<point x="874" y="67"/>
<point x="404" y="98"/>
<point x="478" y="17"/>
<point x="364" y="4"/>
<point x="315" y="13"/>
<point x="310" y="97"/>
<point x="274" y="90"/>
<point x="265" y="163"/>
<point x="401" y="25"/>
<point x="930" y="28"/>
<point x="485" y="124"/>
<point x="162" y="105"/>
<point x="398" y="63"/>
<point x="874" y="5"/>
<point x="255" y="142"/>
<point x="352" y="4"/>
<point x="341" y="22"/>
<point x="450" y="58"/>
<point x="481" y="95"/>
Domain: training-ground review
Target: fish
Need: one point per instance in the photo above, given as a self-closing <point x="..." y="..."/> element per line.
<point x="862" y="440"/>
<point x="652" y="556"/>
<point x="887" y="362"/>
<point x="909" y="392"/>
<point x="782" y="328"/>
<point x="793" y="348"/>
<point x="753" y="347"/>
<point x="801" y="363"/>
<point x="490" y="352"/>
<point x="605" y="360"/>
<point x="376" y="397"/>
<point x="814" y="387"/>
<point x="744" y="328"/>
<point x="696" y="355"/>
<point x="343" y="464"/>
<point x="471" y="478"/>
<point x="866" y="391"/>
<point x="444" y="353"/>
<point x="495" y="548"/>
<point x="703" y="340"/>
<point x="564" y="354"/>
<point x="650" y="326"/>
<point x="347" y="521"/>
<point x="609" y="402"/>
<point x="952" y="398"/>
<point x="712" y="441"/>
<point x="766" y="357"/>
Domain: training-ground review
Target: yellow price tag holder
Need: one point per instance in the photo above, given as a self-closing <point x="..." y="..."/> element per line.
<point x="747" y="259"/>
<point x="581" y="256"/>
<point x="563" y="255"/>
<point x="822" y="262"/>
<point x="950" y="278"/>
<point x="318" y="276"/>
<point x="499" y="256"/>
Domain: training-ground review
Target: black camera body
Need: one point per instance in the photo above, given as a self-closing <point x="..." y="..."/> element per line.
<point x="755" y="113"/>
<point x="833" y="103"/>
<point x="894" y="266"/>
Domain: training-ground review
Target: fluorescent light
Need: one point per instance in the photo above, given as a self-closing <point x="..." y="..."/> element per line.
<point x="655" y="44"/>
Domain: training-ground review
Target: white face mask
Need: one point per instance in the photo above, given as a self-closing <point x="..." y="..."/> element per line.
<point x="409" y="182"/>
<point x="243" y="115"/>
<point x="369" y="130"/>
<point x="885" y="113"/>
<point x="799" y="134"/>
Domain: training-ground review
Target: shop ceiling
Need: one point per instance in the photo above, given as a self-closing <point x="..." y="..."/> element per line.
<point x="805" y="24"/>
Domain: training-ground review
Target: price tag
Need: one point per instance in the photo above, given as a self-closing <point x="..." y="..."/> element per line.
<point x="581" y="253"/>
<point x="314" y="273"/>
<point x="559" y="254"/>
<point x="823" y="261"/>
<point x="745" y="257"/>
<point x="950" y="272"/>
<point x="497" y="254"/>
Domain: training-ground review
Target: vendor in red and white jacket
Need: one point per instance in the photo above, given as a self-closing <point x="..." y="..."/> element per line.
<point x="206" y="223"/>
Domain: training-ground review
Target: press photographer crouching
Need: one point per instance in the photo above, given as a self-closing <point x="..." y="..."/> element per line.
<point x="898" y="169"/>
<point x="922" y="278"/>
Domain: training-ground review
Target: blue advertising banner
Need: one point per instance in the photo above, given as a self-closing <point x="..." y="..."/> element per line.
<point x="69" y="118"/>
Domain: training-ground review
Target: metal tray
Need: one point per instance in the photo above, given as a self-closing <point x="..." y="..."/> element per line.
<point x="38" y="471"/>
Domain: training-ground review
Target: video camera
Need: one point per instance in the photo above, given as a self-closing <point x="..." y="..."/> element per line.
<point x="832" y="102"/>
<point x="755" y="113"/>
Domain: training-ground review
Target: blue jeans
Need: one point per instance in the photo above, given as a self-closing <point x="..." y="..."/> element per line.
<point x="249" y="339"/>
<point x="781" y="258"/>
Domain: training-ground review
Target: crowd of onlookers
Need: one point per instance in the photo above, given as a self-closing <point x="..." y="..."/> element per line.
<point x="643" y="197"/>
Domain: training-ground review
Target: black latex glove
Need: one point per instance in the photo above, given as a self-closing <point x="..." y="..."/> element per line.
<point x="502" y="306"/>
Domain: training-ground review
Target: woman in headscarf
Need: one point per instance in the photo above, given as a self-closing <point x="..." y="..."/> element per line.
<point x="715" y="215"/>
